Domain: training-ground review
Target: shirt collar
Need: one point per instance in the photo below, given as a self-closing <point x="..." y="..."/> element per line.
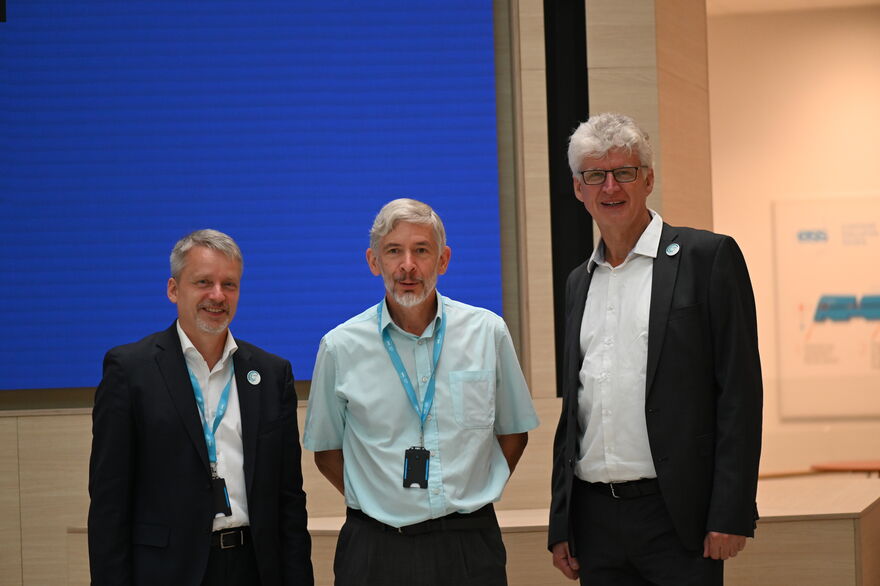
<point x="190" y="351"/>
<point x="647" y="244"/>
<point x="429" y="331"/>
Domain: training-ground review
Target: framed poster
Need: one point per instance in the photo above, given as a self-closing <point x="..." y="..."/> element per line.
<point x="827" y="268"/>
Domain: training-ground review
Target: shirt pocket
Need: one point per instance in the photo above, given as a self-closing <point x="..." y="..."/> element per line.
<point x="473" y="397"/>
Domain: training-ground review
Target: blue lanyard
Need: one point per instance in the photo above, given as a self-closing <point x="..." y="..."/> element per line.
<point x="425" y="408"/>
<point x="221" y="411"/>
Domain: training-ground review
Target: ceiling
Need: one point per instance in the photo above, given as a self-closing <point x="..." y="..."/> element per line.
<point x="719" y="7"/>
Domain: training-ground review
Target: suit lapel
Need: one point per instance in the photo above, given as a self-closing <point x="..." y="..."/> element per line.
<point x="249" y="404"/>
<point x="573" y="329"/>
<point x="172" y="365"/>
<point x="579" y="298"/>
<point x="663" y="282"/>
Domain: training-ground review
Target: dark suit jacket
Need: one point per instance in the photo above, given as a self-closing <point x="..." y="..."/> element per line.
<point x="151" y="509"/>
<point x="703" y="390"/>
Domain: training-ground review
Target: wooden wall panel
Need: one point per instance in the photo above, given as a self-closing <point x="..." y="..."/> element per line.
<point x="806" y="553"/>
<point x="609" y="22"/>
<point x="868" y="546"/>
<point x="10" y="527"/>
<point x="536" y="290"/>
<point x="78" y="557"/>
<point x="683" y="91"/>
<point x="54" y="464"/>
<point x="528" y="561"/>
<point x="323" y="551"/>
<point x="506" y="112"/>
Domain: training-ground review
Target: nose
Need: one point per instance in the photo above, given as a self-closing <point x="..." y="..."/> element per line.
<point x="407" y="263"/>
<point x="216" y="293"/>
<point x="610" y="184"/>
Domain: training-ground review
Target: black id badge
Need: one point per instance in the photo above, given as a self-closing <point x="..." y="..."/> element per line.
<point x="415" y="468"/>
<point x="221" y="497"/>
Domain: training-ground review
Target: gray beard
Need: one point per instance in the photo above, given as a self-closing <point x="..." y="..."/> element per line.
<point x="209" y="329"/>
<point x="410" y="299"/>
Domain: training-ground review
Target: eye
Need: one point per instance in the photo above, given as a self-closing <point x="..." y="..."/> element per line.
<point x="625" y="174"/>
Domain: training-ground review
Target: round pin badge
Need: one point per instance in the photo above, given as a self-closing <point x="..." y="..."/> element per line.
<point x="672" y="249"/>
<point x="253" y="377"/>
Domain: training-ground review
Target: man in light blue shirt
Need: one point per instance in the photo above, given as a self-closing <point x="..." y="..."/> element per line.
<point x="418" y="414"/>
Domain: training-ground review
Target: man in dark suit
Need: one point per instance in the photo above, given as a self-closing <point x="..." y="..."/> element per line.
<point x="656" y="452"/>
<point x="195" y="472"/>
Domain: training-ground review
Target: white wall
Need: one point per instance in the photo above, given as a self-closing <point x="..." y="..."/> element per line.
<point x="795" y="115"/>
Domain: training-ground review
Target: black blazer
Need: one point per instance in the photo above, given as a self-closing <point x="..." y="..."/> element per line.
<point x="703" y="396"/>
<point x="151" y="514"/>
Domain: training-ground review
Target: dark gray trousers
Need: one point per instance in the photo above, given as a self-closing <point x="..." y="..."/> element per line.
<point x="369" y="555"/>
<point x="631" y="542"/>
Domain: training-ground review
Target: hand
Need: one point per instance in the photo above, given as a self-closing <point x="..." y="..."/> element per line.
<point x="562" y="559"/>
<point x="722" y="546"/>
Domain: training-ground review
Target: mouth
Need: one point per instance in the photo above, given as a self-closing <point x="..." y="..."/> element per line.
<point x="612" y="204"/>
<point x="214" y="310"/>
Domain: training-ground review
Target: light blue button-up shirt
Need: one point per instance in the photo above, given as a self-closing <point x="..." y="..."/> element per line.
<point x="358" y="404"/>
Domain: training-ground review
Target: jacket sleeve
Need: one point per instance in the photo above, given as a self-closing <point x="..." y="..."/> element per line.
<point x="558" y="525"/>
<point x="562" y="466"/>
<point x="111" y="478"/>
<point x="739" y="391"/>
<point x="296" y="544"/>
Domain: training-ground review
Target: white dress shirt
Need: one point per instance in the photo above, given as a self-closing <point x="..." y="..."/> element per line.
<point x="614" y="344"/>
<point x="230" y="454"/>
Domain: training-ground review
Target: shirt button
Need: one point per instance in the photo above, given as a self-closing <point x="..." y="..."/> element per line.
<point x="610" y="308"/>
<point x="424" y="379"/>
<point x="435" y="491"/>
<point x="419" y="342"/>
<point x="428" y="418"/>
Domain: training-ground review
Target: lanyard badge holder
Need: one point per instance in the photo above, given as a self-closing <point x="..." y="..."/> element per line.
<point x="415" y="459"/>
<point x="222" y="506"/>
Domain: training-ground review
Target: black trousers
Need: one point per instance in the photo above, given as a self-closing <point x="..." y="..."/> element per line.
<point x="631" y="542"/>
<point x="236" y="566"/>
<point x="368" y="554"/>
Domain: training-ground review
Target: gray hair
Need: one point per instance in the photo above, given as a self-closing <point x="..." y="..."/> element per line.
<point x="405" y="210"/>
<point x="208" y="238"/>
<point x="604" y="132"/>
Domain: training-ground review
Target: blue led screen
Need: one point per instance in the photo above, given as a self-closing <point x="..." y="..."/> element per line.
<point x="126" y="125"/>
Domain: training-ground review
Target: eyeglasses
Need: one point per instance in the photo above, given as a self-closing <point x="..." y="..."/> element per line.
<point x="621" y="175"/>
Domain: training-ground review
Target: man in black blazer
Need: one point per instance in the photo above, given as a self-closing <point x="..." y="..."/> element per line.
<point x="195" y="472"/>
<point x="657" y="447"/>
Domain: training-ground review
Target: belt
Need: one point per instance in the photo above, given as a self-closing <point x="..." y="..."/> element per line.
<point x="627" y="490"/>
<point x="229" y="538"/>
<point x="482" y="518"/>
